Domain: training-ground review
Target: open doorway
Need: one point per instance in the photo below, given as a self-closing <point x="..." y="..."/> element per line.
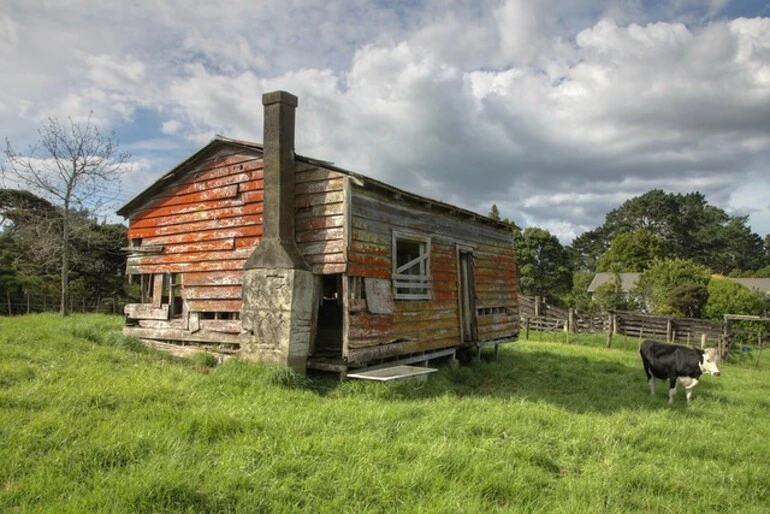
<point x="328" y="342"/>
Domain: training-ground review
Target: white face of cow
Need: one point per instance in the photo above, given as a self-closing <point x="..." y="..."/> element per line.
<point x="710" y="362"/>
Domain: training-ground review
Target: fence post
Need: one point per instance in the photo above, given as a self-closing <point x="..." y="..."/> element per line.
<point x="760" y="342"/>
<point x="571" y="321"/>
<point x="537" y="306"/>
<point x="610" y="330"/>
<point x="668" y="330"/>
<point x="703" y="339"/>
<point x="526" y="329"/>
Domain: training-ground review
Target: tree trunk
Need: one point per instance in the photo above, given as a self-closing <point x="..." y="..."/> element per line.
<point x="65" y="259"/>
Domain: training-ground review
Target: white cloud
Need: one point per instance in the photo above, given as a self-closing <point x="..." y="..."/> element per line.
<point x="555" y="111"/>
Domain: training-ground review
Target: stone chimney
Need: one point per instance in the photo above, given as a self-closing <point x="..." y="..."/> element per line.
<point x="279" y="290"/>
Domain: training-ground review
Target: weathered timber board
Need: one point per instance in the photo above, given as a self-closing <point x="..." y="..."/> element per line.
<point x="146" y="311"/>
<point x="205" y="235"/>
<point x="320" y="234"/>
<point x="214" y="278"/>
<point x="203" y="196"/>
<point x="149" y="260"/>
<point x="175" y="210"/>
<point x="379" y="209"/>
<point x="203" y="246"/>
<point x="216" y="305"/>
<point x="201" y="336"/>
<point x="211" y="292"/>
<point x="200" y="215"/>
<point x="225" y="223"/>
<point x="186" y="267"/>
<point x="306" y="223"/>
<point x="251" y="186"/>
<point x="321" y="186"/>
<point x="220" y="325"/>
<point x="365" y="355"/>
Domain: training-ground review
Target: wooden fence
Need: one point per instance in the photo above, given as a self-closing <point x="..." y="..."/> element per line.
<point x="538" y="315"/>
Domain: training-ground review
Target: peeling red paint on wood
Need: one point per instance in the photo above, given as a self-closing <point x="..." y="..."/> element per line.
<point x="149" y="260"/>
<point x="246" y="242"/>
<point x="184" y="267"/>
<point x="204" y="235"/>
<point x="203" y="215"/>
<point x="203" y="196"/>
<point x="196" y="226"/>
<point x="252" y="185"/>
<point x="203" y="246"/>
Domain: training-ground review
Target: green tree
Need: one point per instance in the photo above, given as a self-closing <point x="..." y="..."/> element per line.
<point x="543" y="263"/>
<point x="579" y="298"/>
<point x="494" y="213"/>
<point x="631" y="252"/>
<point x="685" y="225"/>
<point x="728" y="297"/>
<point x="610" y="296"/>
<point x="30" y="266"/>
<point x="688" y="300"/>
<point x="75" y="167"/>
<point x="656" y="283"/>
<point x="587" y="248"/>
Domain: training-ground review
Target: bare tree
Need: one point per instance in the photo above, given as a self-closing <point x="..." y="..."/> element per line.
<point x="77" y="168"/>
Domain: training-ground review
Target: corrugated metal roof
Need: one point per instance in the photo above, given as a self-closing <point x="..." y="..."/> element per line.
<point x="757" y="284"/>
<point x="627" y="281"/>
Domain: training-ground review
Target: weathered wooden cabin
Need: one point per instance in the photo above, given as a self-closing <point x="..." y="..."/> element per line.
<point x="254" y="250"/>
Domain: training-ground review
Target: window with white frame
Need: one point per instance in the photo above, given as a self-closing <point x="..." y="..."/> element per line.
<point x="411" y="267"/>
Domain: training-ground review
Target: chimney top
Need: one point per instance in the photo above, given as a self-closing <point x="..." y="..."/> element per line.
<point x="275" y="97"/>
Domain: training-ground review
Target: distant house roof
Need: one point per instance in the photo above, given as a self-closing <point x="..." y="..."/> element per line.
<point x="627" y="281"/>
<point x="758" y="284"/>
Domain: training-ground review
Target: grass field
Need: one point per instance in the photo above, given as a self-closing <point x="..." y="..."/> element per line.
<point x="92" y="422"/>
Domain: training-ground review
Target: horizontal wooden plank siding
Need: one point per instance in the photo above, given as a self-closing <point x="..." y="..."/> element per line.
<point x="205" y="225"/>
<point x="208" y="223"/>
<point x="319" y="218"/>
<point x="422" y="325"/>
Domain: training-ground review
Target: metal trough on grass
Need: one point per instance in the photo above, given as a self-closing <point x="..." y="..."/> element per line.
<point x="394" y="373"/>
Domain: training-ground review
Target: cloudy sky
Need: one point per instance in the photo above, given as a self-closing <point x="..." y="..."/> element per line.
<point x="555" y="110"/>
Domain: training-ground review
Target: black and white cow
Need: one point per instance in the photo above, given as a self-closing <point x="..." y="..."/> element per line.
<point x="671" y="362"/>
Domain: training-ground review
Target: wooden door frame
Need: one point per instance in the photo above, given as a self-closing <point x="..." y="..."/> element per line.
<point x="467" y="250"/>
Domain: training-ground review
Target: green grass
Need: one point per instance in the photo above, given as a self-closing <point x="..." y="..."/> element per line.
<point x="90" y="421"/>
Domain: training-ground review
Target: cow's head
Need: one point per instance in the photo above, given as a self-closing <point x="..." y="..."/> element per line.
<point x="709" y="362"/>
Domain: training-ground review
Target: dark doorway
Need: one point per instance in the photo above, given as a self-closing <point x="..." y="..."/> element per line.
<point x="329" y="334"/>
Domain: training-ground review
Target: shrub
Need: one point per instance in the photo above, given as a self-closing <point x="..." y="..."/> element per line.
<point x="728" y="297"/>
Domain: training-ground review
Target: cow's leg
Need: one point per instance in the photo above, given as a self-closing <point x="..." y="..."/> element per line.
<point x="650" y="377"/>
<point x="671" y="390"/>
<point x="689" y="383"/>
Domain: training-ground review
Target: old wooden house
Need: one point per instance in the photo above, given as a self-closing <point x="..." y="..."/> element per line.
<point x="253" y="250"/>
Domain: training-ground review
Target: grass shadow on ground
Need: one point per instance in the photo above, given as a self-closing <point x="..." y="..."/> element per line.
<point x="576" y="379"/>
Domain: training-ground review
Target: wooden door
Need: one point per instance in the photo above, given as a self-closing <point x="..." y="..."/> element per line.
<point x="467" y="297"/>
